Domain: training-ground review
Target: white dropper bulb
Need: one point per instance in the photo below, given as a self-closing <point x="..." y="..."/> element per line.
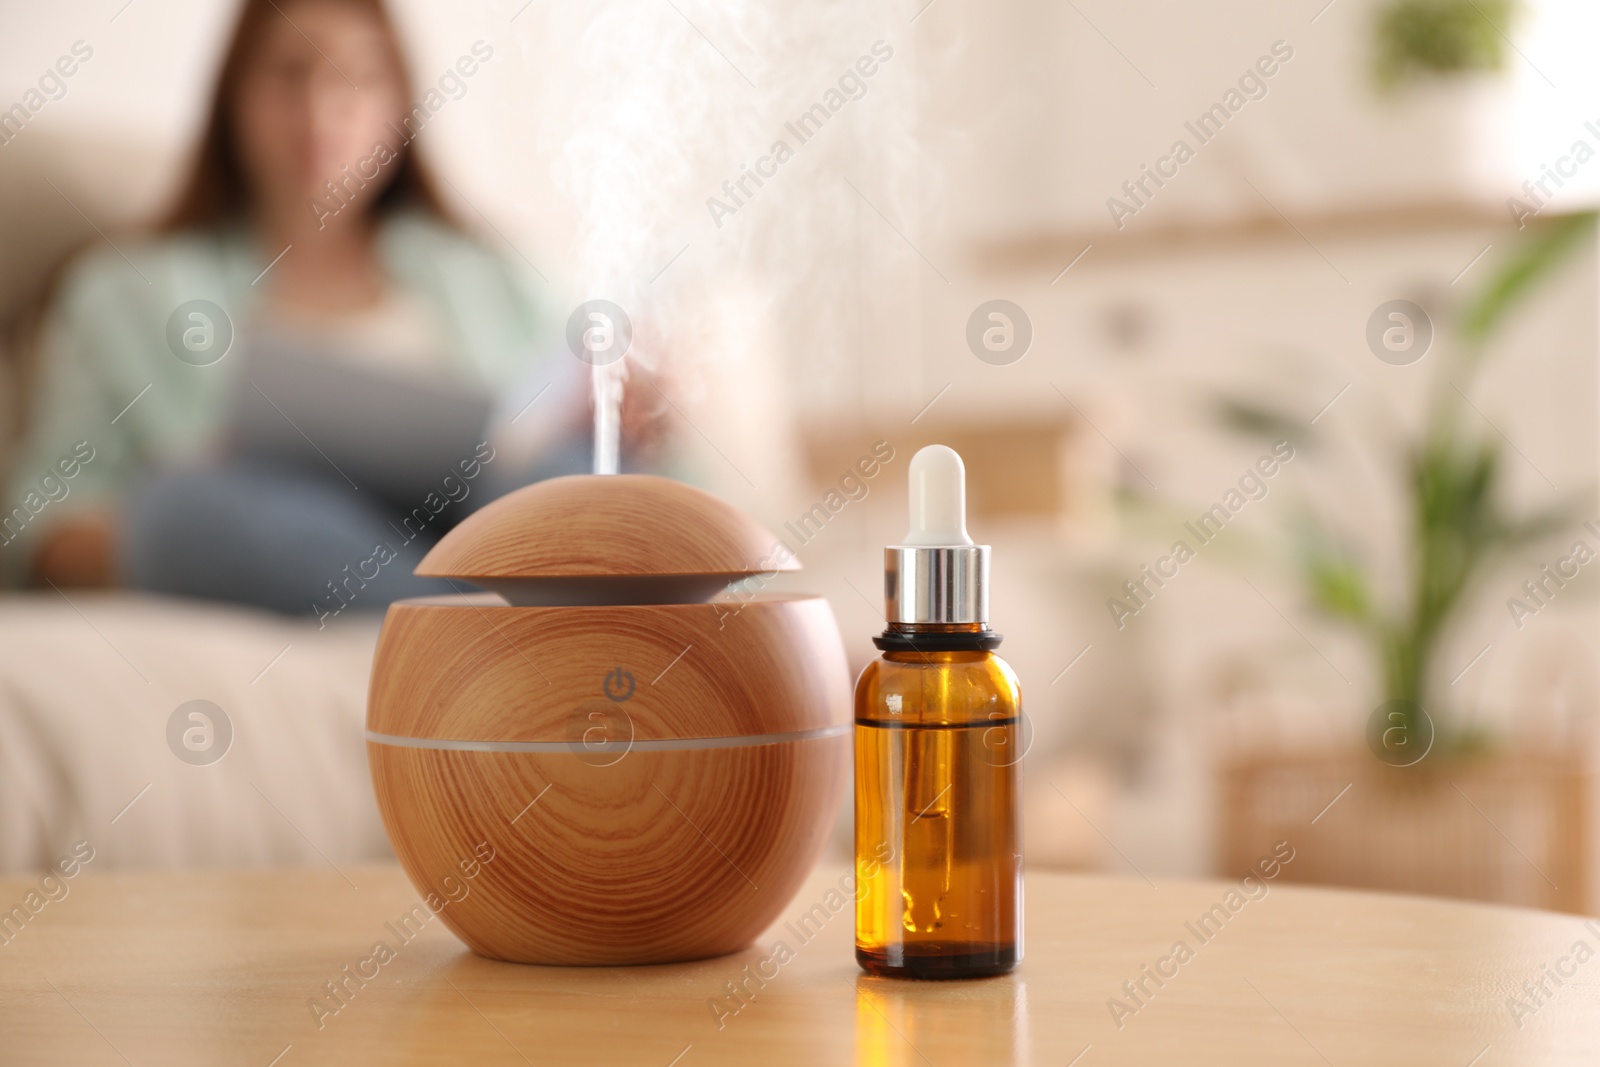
<point x="938" y="498"/>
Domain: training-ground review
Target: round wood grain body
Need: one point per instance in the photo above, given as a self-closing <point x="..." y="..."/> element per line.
<point x="654" y="781"/>
<point x="473" y="668"/>
<point x="660" y="857"/>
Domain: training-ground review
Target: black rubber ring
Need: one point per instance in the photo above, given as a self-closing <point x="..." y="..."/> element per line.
<point x="896" y="641"/>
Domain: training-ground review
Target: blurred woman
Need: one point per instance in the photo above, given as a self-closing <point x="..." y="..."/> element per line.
<point x="310" y="91"/>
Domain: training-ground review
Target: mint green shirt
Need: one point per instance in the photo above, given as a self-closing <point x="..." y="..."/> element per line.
<point x="105" y="344"/>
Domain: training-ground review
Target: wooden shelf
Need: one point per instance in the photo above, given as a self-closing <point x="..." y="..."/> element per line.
<point x="1042" y="250"/>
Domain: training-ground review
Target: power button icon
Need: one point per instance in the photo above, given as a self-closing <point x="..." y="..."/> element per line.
<point x="619" y="685"/>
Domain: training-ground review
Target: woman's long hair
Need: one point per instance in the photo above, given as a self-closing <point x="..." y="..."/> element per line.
<point x="217" y="190"/>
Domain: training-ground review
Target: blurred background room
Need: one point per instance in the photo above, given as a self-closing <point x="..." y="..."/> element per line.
<point x="1268" y="333"/>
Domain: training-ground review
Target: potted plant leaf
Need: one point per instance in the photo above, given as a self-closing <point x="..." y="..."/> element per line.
<point x="1418" y="39"/>
<point x="1443" y="109"/>
<point x="1433" y="804"/>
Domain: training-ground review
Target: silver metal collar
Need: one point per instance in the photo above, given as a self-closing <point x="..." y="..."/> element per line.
<point x="936" y="584"/>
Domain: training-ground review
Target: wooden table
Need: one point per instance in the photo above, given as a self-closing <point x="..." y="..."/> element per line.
<point x="222" y="968"/>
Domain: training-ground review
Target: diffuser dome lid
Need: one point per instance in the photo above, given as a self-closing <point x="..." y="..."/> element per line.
<point x="549" y="542"/>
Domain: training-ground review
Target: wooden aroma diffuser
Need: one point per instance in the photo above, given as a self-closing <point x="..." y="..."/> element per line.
<point x="655" y="771"/>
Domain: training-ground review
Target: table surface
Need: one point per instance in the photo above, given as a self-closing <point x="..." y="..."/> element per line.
<point x="224" y="967"/>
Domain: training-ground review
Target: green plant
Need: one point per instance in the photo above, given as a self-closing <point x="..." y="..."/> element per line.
<point x="1414" y="38"/>
<point x="1458" y="524"/>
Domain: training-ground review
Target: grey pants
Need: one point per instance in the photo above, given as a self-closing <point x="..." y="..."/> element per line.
<point x="295" y="543"/>
<point x="275" y="540"/>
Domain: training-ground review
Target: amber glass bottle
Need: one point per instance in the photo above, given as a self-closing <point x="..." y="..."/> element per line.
<point x="938" y="747"/>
